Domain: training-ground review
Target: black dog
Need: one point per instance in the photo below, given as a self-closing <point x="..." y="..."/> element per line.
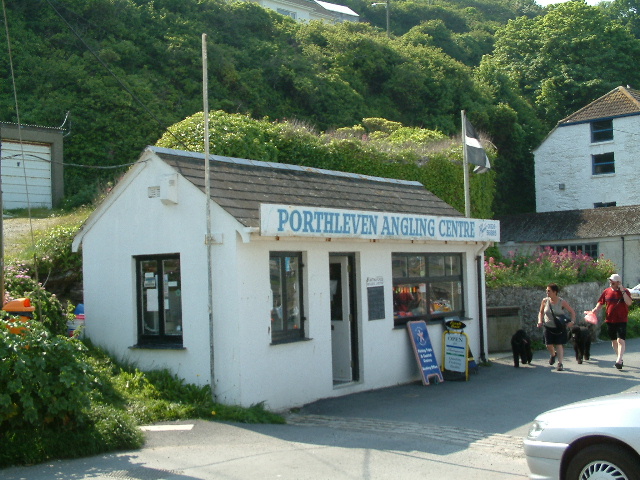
<point x="521" y="348"/>
<point x="581" y="339"/>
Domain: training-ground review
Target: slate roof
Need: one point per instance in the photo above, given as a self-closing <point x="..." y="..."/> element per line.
<point x="239" y="186"/>
<point x="620" y="101"/>
<point x="570" y="225"/>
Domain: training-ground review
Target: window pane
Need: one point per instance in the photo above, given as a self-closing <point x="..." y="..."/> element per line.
<point x="436" y="266"/>
<point x="293" y="296"/>
<point x="149" y="300"/>
<point x="399" y="266"/>
<point x="409" y="300"/>
<point x="603" y="163"/>
<point x="172" y="297"/>
<point x="452" y="265"/>
<point x="445" y="296"/>
<point x="602" y="130"/>
<point x="276" y="294"/>
<point x="417" y="266"/>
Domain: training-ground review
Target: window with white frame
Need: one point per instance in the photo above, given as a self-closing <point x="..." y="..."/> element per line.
<point x="603" y="163"/>
<point x="288" y="13"/>
<point x="426" y="286"/>
<point x="159" y="300"/>
<point x="287" y="318"/>
<point x="601" y="131"/>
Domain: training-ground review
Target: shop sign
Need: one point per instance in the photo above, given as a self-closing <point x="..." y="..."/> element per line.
<point x="298" y="221"/>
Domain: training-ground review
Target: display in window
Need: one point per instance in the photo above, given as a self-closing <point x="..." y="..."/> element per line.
<point x="410" y="300"/>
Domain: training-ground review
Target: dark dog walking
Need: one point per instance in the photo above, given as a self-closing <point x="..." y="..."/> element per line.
<point x="581" y="339"/>
<point x="521" y="348"/>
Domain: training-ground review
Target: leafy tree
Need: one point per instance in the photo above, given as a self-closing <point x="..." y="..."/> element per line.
<point x="545" y="57"/>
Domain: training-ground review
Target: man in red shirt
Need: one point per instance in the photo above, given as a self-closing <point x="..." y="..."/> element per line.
<point x="617" y="299"/>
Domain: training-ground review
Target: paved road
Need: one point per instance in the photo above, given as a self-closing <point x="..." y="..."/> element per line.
<point x="455" y="430"/>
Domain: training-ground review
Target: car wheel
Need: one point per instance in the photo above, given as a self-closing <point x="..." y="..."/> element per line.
<point x="603" y="462"/>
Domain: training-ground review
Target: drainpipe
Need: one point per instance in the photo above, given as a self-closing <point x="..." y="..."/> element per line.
<point x="481" y="299"/>
<point x="622" y="267"/>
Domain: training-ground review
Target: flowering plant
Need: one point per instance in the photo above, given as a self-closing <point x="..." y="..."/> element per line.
<point x="545" y="266"/>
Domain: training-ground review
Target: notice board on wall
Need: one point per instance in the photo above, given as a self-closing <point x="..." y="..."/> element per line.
<point x="375" y="298"/>
<point x="423" y="350"/>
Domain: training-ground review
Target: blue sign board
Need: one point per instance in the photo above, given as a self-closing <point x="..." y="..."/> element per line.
<point x="423" y="350"/>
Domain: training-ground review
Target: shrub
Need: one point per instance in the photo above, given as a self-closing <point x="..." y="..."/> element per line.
<point x="43" y="378"/>
<point x="49" y="311"/>
<point x="546" y="266"/>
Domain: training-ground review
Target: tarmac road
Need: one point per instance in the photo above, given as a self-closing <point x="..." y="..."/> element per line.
<point x="454" y="430"/>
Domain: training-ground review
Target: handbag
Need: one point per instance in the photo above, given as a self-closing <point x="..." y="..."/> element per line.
<point x="561" y="320"/>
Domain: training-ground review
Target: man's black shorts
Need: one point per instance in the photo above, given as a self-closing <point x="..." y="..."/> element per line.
<point x="617" y="330"/>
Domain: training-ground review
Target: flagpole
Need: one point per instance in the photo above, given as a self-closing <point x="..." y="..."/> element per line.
<point x="465" y="168"/>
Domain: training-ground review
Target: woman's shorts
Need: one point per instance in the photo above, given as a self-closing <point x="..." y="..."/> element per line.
<point x="554" y="337"/>
<point x="617" y="330"/>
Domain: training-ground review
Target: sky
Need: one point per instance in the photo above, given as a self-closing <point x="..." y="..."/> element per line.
<point x="544" y="3"/>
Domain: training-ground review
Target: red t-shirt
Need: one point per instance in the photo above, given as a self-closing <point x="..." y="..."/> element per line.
<point x="617" y="310"/>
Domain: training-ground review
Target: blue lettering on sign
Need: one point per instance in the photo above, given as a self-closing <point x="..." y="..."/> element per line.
<point x="457" y="228"/>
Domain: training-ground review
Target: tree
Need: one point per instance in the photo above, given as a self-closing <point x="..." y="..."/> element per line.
<point x="566" y="58"/>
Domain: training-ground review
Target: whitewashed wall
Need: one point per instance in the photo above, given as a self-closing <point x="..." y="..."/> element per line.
<point x="565" y="158"/>
<point x="247" y="368"/>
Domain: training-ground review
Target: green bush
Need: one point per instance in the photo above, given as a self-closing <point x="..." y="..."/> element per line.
<point x="48" y="309"/>
<point x="44" y="379"/>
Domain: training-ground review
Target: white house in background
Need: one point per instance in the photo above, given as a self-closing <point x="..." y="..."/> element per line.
<point x="32" y="166"/>
<point x="306" y="10"/>
<point x="590" y="159"/>
<point x="314" y="276"/>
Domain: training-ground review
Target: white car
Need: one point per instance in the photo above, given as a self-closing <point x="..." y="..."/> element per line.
<point x="595" y="439"/>
<point x="635" y="292"/>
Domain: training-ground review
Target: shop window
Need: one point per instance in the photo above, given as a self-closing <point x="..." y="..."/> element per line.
<point x="159" y="300"/>
<point x="603" y="163"/>
<point x="287" y="320"/>
<point x="426" y="286"/>
<point x="601" y="131"/>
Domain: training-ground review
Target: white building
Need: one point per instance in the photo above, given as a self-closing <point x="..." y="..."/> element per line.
<point x="587" y="195"/>
<point x="32" y="166"/>
<point x="307" y="10"/>
<point x="589" y="159"/>
<point x="314" y="275"/>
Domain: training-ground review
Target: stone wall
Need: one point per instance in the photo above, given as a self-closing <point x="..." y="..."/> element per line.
<point x="506" y="306"/>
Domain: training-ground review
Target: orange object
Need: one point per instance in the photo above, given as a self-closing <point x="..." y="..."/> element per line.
<point x="22" y="308"/>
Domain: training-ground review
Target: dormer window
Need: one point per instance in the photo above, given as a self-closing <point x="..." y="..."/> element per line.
<point x="601" y="131"/>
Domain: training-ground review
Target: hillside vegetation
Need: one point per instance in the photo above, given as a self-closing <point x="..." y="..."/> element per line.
<point x="126" y="70"/>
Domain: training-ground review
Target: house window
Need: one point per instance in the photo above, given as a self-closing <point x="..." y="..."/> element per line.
<point x="590" y="249"/>
<point x="603" y="163"/>
<point x="288" y="13"/>
<point x="159" y="300"/>
<point x="287" y="320"/>
<point x="426" y="286"/>
<point x="601" y="131"/>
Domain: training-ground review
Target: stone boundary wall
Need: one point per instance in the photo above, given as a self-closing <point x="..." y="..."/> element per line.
<point x="581" y="297"/>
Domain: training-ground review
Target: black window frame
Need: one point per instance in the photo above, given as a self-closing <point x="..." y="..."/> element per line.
<point x="603" y="163"/>
<point x="427" y="279"/>
<point x="162" y="338"/>
<point x="601" y="131"/>
<point x="286" y="334"/>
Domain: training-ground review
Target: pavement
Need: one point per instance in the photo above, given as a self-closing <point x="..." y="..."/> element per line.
<point x="470" y="430"/>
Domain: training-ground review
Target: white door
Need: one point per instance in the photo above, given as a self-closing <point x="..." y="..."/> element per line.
<point x="341" y="318"/>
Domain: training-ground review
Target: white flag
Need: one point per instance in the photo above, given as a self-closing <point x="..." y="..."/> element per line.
<point x="475" y="152"/>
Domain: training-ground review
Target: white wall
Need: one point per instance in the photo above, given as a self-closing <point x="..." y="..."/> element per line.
<point x="247" y="368"/>
<point x="565" y="157"/>
<point x="137" y="225"/>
